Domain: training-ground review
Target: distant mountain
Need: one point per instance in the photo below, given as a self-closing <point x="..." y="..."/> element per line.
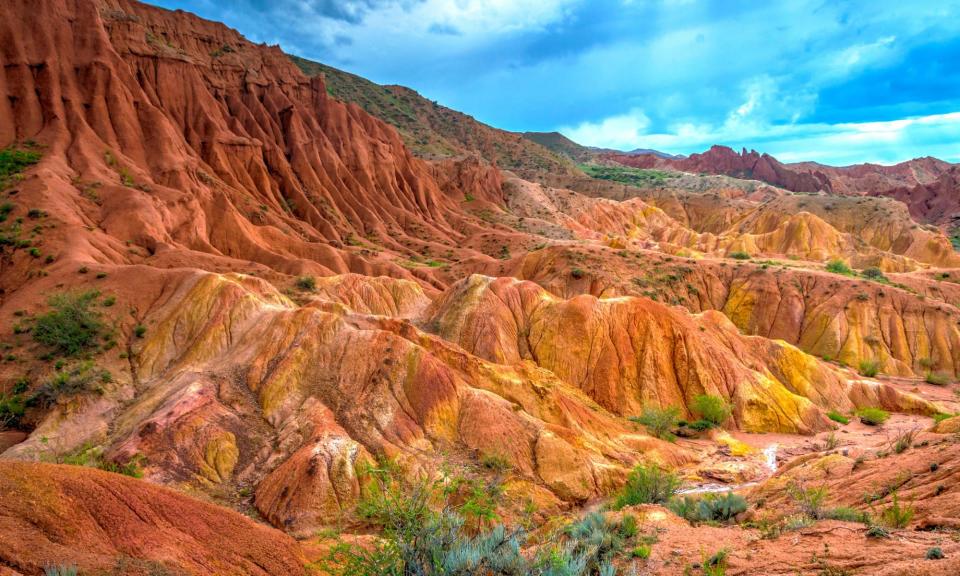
<point x="923" y="183"/>
<point x="562" y="145"/>
<point x="433" y="131"/>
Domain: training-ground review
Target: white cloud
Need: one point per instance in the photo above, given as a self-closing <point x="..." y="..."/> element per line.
<point x="621" y="131"/>
<point x="839" y="144"/>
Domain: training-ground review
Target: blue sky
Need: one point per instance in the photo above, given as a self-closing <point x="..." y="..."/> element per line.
<point x="839" y="82"/>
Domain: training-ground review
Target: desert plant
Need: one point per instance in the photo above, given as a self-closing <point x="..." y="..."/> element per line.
<point x="60" y="570"/>
<point x="839" y="267"/>
<point x="713" y="409"/>
<point x="838" y="417"/>
<point x="739" y="255"/>
<point x="78" y="379"/>
<point x="897" y="515"/>
<point x="12" y="409"/>
<point x="873" y="273"/>
<point x="937" y="378"/>
<point x="903" y="441"/>
<point x="716" y="565"/>
<point x="873" y="416"/>
<point x="72" y="326"/>
<point x="847" y="515"/>
<point x="139" y="330"/>
<point x="642" y="552"/>
<point x="306" y="283"/>
<point x="647" y="484"/>
<point x="709" y="508"/>
<point x="659" y="421"/>
<point x="934" y="553"/>
<point x="809" y="500"/>
<point x="877" y="532"/>
<point x="869" y="368"/>
<point x="830" y="442"/>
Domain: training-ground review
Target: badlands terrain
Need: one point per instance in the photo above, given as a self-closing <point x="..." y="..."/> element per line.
<point x="261" y="316"/>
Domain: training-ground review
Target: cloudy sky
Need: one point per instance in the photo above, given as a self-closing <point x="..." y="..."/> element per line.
<point x="837" y="81"/>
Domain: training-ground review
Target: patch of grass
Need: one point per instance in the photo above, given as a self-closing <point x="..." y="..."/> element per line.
<point x="903" y="441"/>
<point x="873" y="273"/>
<point x="709" y="507"/>
<point x="869" y="368"/>
<point x="897" y="515"/>
<point x="642" y="552"/>
<point x="846" y="514"/>
<point x="838" y="417"/>
<point x="640" y="177"/>
<point x="937" y="378"/>
<point x="647" y="484"/>
<point x="139" y="330"/>
<point x="739" y="255"/>
<point x="839" y="267"/>
<point x="659" y="422"/>
<point x="13" y="161"/>
<point x="72" y="326"/>
<point x="873" y="416"/>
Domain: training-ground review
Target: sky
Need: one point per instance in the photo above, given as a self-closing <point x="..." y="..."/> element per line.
<point x="834" y="81"/>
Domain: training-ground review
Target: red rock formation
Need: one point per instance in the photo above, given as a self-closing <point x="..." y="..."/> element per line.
<point x="99" y="521"/>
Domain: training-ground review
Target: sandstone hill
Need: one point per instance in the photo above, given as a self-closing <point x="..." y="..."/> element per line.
<point x="261" y="289"/>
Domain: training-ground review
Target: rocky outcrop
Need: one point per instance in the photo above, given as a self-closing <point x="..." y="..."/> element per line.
<point x="53" y="515"/>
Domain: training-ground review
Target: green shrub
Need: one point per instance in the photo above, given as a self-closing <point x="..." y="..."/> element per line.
<point x="72" y="325"/>
<point x="709" y="508"/>
<point x="903" y="441"/>
<point x="306" y="283"/>
<point x="838" y="417"/>
<point x="12" y="409"/>
<point x="873" y="416"/>
<point x="934" y="554"/>
<point x="897" y="515"/>
<point x="659" y="422"/>
<point x="739" y="255"/>
<point x="940" y="417"/>
<point x="647" y="484"/>
<point x="839" y="267"/>
<point x="701" y="425"/>
<point x="713" y="409"/>
<point x="139" y="330"/>
<point x="577" y="273"/>
<point x="847" y="514"/>
<point x="642" y="552"/>
<point x="877" y="532"/>
<point x="809" y="500"/>
<point x="869" y="368"/>
<point x="77" y="380"/>
<point x="873" y="273"/>
<point x="937" y="378"/>
<point x="13" y="161"/>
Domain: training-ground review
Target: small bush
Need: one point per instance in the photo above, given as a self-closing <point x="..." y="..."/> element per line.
<point x="77" y="380"/>
<point x="873" y="416"/>
<point x="810" y="500"/>
<point x="306" y="283"/>
<point x="713" y="409"/>
<point x="72" y="326"/>
<point x="660" y="422"/>
<point x="934" y="554"/>
<point x="873" y="273"/>
<point x="940" y="417"/>
<point x="903" y="441"/>
<point x="897" y="515"/>
<point x="739" y="255"/>
<point x="701" y="425"/>
<point x="709" y="508"/>
<point x="577" y="273"/>
<point x="846" y="514"/>
<point x="12" y="409"/>
<point x="13" y="161"/>
<point x="139" y="330"/>
<point x="647" y="485"/>
<point x="495" y="462"/>
<point x="839" y="267"/>
<point x="937" y="378"/>
<point x="838" y="417"/>
<point x="869" y="368"/>
<point x="877" y="532"/>
<point x="642" y="552"/>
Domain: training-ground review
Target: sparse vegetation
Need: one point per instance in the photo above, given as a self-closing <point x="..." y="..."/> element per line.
<point x="639" y="177"/>
<point x="647" y="484"/>
<point x="72" y="326"/>
<point x="306" y="283"/>
<point x="869" y="368"/>
<point x="934" y="553"/>
<point x="937" y="378"/>
<point x="897" y="515"/>
<point x="659" y="422"/>
<point x="709" y="508"/>
<point x="739" y="255"/>
<point x="873" y="416"/>
<point x="712" y="409"/>
<point x="13" y="161"/>
<point x="838" y="417"/>
<point x="839" y="267"/>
